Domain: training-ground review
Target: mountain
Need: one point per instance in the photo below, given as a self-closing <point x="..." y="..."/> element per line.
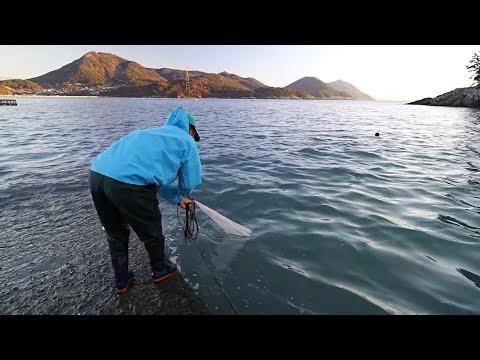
<point x="104" y="74"/>
<point x="121" y="77"/>
<point x="335" y="90"/>
<point x="100" y="69"/>
<point x="317" y="88"/>
<point x="351" y="90"/>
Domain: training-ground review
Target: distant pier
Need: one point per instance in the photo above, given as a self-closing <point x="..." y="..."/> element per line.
<point x="8" y="102"/>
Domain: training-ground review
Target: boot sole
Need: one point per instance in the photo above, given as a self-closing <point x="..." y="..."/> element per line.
<point x="126" y="287"/>
<point x="160" y="279"/>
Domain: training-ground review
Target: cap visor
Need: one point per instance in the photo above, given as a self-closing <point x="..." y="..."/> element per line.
<point x="196" y="137"/>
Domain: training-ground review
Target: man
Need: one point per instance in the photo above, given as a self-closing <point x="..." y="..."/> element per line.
<point x="125" y="180"/>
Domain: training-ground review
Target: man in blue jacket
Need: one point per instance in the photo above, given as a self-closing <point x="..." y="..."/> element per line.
<point x="125" y="180"/>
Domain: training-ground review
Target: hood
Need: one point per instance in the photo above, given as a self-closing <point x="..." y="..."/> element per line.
<point x="178" y="118"/>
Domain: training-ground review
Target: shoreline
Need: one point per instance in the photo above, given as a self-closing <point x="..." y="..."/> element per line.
<point x="172" y="297"/>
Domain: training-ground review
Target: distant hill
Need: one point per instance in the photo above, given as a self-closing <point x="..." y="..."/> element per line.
<point x="204" y="84"/>
<point x="249" y="83"/>
<point x="100" y="69"/>
<point x="351" y="90"/>
<point x="336" y="90"/>
<point x="316" y="88"/>
<point x="179" y="75"/>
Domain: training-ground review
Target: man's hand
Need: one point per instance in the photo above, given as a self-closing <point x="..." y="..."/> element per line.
<point x="185" y="203"/>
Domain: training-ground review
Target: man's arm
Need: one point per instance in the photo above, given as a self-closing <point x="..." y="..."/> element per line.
<point x="189" y="177"/>
<point x="190" y="174"/>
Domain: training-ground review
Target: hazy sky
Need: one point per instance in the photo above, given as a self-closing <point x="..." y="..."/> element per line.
<point x="390" y="72"/>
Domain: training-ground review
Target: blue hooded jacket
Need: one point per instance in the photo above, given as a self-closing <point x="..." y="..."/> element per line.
<point x="155" y="156"/>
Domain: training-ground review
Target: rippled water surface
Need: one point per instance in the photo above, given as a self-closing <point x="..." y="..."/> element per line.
<point x="343" y="222"/>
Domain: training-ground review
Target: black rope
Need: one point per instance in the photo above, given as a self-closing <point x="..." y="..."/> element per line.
<point x="190" y="231"/>
<point x="190" y="225"/>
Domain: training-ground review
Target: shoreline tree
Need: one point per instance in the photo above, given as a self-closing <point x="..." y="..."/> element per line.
<point x="475" y="68"/>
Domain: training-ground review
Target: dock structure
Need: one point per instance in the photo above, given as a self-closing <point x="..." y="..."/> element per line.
<point x="8" y="102"/>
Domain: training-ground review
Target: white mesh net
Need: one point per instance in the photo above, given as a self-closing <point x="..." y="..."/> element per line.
<point x="227" y="225"/>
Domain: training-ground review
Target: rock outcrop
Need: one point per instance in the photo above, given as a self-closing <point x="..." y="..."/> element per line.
<point x="461" y="97"/>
